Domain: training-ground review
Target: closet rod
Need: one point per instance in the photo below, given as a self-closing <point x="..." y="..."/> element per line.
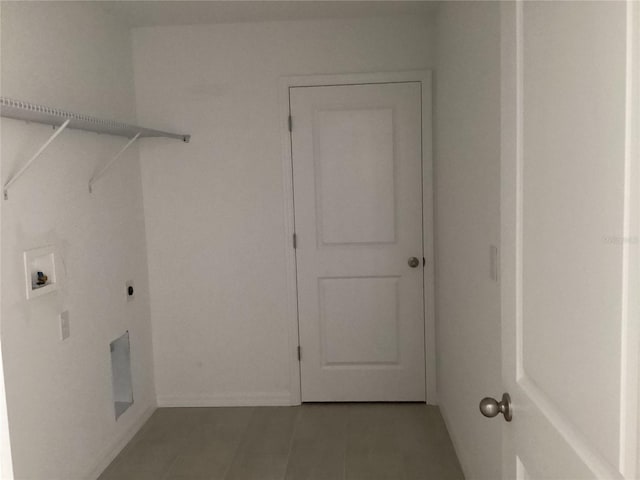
<point x="30" y="112"/>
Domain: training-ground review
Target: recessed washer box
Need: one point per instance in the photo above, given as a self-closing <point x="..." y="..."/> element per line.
<point x="39" y="264"/>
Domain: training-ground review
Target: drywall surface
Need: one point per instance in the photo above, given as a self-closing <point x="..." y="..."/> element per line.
<point x="6" y="465"/>
<point x="215" y="207"/>
<point x="59" y="393"/>
<point x="467" y="223"/>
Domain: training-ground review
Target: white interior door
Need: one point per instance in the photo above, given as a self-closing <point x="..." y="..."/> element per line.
<point x="357" y="174"/>
<point x="570" y="239"/>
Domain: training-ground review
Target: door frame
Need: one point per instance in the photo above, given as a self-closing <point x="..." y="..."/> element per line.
<point x="424" y="77"/>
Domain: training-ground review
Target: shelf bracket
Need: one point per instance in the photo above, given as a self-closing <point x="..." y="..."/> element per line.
<point x="13" y="179"/>
<point x="97" y="176"/>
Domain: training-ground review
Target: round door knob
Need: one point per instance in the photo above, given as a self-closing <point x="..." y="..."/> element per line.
<point x="490" y="407"/>
<point x="413" y="262"/>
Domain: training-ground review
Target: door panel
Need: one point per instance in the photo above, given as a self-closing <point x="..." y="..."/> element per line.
<point x="357" y="171"/>
<point x="569" y="336"/>
<point x="354" y="175"/>
<point x="359" y="321"/>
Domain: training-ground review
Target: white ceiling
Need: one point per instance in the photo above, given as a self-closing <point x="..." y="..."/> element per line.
<point x="188" y="12"/>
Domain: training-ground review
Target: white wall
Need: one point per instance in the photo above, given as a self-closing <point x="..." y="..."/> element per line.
<point x="6" y="465"/>
<point x="467" y="223"/>
<point x="214" y="207"/>
<point x="60" y="404"/>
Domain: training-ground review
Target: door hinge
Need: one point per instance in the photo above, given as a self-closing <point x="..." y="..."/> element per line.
<point x="299" y="353"/>
<point x="295" y="241"/>
<point x="424" y="261"/>
<point x="290" y="123"/>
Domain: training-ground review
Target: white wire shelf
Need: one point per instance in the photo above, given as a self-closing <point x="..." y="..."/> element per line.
<point x="61" y="119"/>
<point x="30" y="112"/>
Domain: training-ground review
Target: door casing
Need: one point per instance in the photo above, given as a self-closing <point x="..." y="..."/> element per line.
<point x="425" y="79"/>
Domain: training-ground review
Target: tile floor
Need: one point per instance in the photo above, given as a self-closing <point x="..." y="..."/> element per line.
<point x="310" y="442"/>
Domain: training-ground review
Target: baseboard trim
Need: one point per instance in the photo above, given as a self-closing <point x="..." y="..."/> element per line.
<point x="257" y="399"/>
<point x="113" y="449"/>
<point x="456" y="443"/>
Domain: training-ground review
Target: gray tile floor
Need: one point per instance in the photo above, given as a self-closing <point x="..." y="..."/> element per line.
<point x="310" y="442"/>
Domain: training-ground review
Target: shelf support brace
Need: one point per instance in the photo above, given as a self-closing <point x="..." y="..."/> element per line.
<point x="97" y="176"/>
<point x="13" y="179"/>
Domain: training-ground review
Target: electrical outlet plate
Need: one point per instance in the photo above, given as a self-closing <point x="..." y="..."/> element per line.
<point x="65" y="327"/>
<point x="129" y="284"/>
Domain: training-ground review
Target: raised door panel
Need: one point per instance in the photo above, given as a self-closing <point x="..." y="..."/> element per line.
<point x="359" y="321"/>
<point x="354" y="163"/>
